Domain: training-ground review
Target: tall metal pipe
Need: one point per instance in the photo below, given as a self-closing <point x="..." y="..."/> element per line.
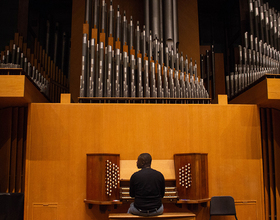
<point x="124" y="33"/>
<point x="96" y="14"/>
<point x="137" y="34"/>
<point x="160" y="21"/>
<point x="147" y="19"/>
<point x="257" y="19"/>
<point x="48" y="37"/>
<point x="143" y="42"/>
<point x="111" y="20"/>
<point x="55" y="42"/>
<point x="275" y="31"/>
<point x="105" y="73"/>
<point x="155" y="14"/>
<point x="92" y="67"/>
<point x="118" y="25"/>
<point x="103" y="17"/>
<point x="88" y="58"/>
<point x="63" y="53"/>
<point x="168" y="24"/>
<point x="117" y="76"/>
<point x="270" y="14"/>
<point x="150" y="44"/>
<point x="262" y="23"/>
<point x="175" y="25"/>
<point x="131" y="35"/>
<point x="278" y="21"/>
<point x="132" y="77"/>
<point x="214" y="74"/>
<point x="266" y="27"/>
<point x="101" y="70"/>
<point x="84" y="65"/>
<point x="87" y="14"/>
<point x="251" y="17"/>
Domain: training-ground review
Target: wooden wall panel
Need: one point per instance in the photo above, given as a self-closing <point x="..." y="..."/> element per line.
<point x="273" y="89"/>
<point x="276" y="150"/>
<point x="270" y="119"/>
<point x="265" y="162"/>
<point x="20" y="148"/>
<point x="128" y="167"/>
<point x="12" y="149"/>
<point x="60" y="136"/>
<point x="270" y="159"/>
<point x="5" y="148"/>
<point x="12" y="86"/>
<point x="44" y="211"/>
<point x="245" y="210"/>
<point x="13" y="163"/>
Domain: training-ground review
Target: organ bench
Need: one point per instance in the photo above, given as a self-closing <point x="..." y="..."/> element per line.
<point x="169" y="216"/>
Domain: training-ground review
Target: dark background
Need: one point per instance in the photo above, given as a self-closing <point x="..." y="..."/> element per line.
<point x="33" y="21"/>
<point x="221" y="23"/>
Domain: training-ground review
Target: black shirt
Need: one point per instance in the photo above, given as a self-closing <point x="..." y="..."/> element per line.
<point x="148" y="187"/>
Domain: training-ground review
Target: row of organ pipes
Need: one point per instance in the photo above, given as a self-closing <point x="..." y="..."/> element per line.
<point x="16" y="58"/>
<point x="260" y="53"/>
<point x="121" y="60"/>
<point x="41" y="66"/>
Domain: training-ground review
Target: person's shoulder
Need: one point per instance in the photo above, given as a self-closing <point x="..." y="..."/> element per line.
<point x="135" y="173"/>
<point x="158" y="172"/>
<point x="155" y="170"/>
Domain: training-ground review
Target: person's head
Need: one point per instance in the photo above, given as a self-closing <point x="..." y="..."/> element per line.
<point x="144" y="160"/>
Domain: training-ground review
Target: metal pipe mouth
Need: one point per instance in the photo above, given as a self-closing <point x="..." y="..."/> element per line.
<point x="169" y="44"/>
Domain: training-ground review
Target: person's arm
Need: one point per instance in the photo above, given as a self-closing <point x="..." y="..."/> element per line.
<point x="132" y="188"/>
<point x="163" y="187"/>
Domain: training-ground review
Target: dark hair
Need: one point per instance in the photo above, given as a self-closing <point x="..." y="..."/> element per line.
<point x="144" y="160"/>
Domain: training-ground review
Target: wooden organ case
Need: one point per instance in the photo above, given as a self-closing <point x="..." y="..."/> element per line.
<point x="191" y="172"/>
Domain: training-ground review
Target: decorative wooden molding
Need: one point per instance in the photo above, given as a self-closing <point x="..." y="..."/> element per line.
<point x="18" y="90"/>
<point x="65" y="98"/>
<point x="265" y="93"/>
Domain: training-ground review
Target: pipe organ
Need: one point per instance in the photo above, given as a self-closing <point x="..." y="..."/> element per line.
<point x="259" y="55"/>
<point x="123" y="60"/>
<point x="104" y="185"/>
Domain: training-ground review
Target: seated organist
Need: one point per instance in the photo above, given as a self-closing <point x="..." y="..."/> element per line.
<point x="147" y="186"/>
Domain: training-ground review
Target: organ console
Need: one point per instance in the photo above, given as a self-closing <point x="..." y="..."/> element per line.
<point x="104" y="186"/>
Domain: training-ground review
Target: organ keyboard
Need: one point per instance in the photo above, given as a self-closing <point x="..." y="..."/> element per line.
<point x="171" y="194"/>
